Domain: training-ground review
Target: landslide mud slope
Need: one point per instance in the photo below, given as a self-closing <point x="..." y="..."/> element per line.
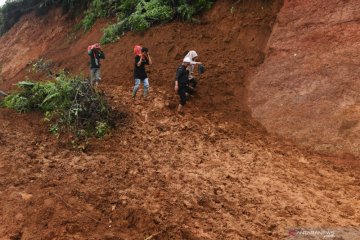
<point x="308" y="88"/>
<point x="28" y="41"/>
<point x="213" y="174"/>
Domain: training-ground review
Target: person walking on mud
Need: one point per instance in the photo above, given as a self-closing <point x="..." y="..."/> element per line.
<point x="142" y="58"/>
<point x="181" y="83"/>
<point x="95" y="53"/>
<point x="192" y="55"/>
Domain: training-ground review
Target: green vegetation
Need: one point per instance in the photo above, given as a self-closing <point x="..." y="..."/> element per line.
<point x="142" y="15"/>
<point x="132" y="15"/>
<point x="139" y="15"/>
<point x="70" y="105"/>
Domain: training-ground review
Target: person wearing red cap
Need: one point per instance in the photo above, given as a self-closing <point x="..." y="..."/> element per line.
<point x="95" y="52"/>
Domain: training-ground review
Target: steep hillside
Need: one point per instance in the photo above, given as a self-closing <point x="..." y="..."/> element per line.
<point x="28" y="41"/>
<point x="307" y="89"/>
<point x="213" y="174"/>
<point x="231" y="52"/>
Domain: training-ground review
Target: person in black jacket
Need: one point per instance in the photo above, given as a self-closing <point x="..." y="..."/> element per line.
<point x="181" y="83"/>
<point x="140" y="72"/>
<point x="95" y="54"/>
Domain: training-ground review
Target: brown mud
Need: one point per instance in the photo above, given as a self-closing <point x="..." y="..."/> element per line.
<point x="214" y="173"/>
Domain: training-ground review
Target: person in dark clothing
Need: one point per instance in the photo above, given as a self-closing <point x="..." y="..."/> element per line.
<point x="181" y="83"/>
<point x="95" y="53"/>
<point x="140" y="73"/>
<point x="192" y="82"/>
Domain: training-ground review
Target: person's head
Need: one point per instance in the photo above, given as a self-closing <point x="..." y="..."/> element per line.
<point x="186" y="61"/>
<point x="144" y="50"/>
<point x="97" y="46"/>
<point x="192" y="55"/>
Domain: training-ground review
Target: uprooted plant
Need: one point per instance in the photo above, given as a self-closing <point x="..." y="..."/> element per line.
<point x="70" y="105"/>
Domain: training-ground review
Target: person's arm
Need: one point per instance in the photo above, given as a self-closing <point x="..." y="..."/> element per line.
<point x="90" y="52"/>
<point x="138" y="60"/>
<point x="176" y="86"/>
<point x="179" y="72"/>
<point x="149" y="59"/>
<point x="101" y="55"/>
<point x="191" y="69"/>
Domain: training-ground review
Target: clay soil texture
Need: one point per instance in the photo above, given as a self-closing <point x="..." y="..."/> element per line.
<point x="214" y="173"/>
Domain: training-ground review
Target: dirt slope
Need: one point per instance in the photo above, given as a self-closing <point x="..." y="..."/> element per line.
<point x="229" y="42"/>
<point x="307" y="89"/>
<point x="27" y="41"/>
<point x="213" y="174"/>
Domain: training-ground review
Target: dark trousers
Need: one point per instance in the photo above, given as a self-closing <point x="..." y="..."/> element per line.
<point x="182" y="93"/>
<point x="192" y="82"/>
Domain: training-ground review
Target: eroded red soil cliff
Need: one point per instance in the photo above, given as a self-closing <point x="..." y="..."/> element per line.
<point x="308" y="88"/>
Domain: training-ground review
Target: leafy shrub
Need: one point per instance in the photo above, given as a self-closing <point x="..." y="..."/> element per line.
<point x="70" y="104"/>
<point x="126" y="8"/>
<point x="98" y="8"/>
<point x="89" y="20"/>
<point x="144" y="14"/>
<point x="112" y="32"/>
<point x="154" y="11"/>
<point x="132" y="15"/>
<point x="102" y="128"/>
<point x="73" y="7"/>
<point x="137" y="22"/>
<point x="186" y="11"/>
<point x="149" y="12"/>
